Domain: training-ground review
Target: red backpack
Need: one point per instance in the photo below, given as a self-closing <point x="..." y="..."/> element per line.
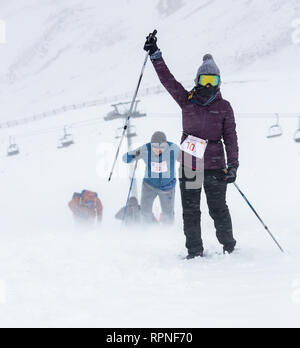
<point x="86" y="205"/>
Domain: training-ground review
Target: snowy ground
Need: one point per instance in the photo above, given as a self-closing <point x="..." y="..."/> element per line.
<point x="57" y="274"/>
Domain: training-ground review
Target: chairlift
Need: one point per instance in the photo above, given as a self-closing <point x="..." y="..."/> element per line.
<point x="297" y="134"/>
<point x="275" y="131"/>
<point x="67" y="140"/>
<point x="115" y="114"/>
<point x="13" y="148"/>
<point x="121" y="110"/>
<point x="131" y="132"/>
<point x="135" y="112"/>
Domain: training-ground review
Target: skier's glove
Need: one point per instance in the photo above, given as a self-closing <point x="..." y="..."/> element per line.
<point x="151" y="44"/>
<point x="230" y="175"/>
<point x="136" y="154"/>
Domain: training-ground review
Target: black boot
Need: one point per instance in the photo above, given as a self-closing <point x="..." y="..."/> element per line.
<point x="194" y="256"/>
<point x="229" y="248"/>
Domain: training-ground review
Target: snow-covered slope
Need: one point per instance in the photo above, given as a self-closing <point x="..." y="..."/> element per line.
<point x="61" y="52"/>
<point x="58" y="274"/>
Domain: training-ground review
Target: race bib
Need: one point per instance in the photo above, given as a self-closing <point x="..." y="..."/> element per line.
<point x="159" y="167"/>
<point x="194" y="146"/>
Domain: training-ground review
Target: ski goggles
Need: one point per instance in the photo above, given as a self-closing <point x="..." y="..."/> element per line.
<point x="213" y="80"/>
<point x="159" y="146"/>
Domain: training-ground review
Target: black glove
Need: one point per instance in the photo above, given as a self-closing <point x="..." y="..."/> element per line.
<point x="231" y="175"/>
<point x="151" y="44"/>
<point x="136" y="154"/>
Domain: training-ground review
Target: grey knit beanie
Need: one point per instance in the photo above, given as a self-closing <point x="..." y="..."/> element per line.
<point x="208" y="67"/>
<point x="159" y="138"/>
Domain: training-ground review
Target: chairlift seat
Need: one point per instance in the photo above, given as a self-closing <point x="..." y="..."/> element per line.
<point x="13" y="150"/>
<point x="12" y="153"/>
<point x="138" y="114"/>
<point x="297" y="136"/>
<point x="116" y="113"/>
<point x="66" y="141"/>
<point x="112" y="116"/>
<point x="68" y="137"/>
<point x="275" y="132"/>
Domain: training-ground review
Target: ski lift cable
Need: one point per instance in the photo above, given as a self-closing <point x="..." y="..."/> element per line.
<point x="89" y="122"/>
<point x="79" y="124"/>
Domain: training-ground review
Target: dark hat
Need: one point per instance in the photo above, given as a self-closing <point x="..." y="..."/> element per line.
<point x="159" y="138"/>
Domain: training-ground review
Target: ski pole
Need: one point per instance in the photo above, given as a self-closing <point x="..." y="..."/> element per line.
<point x="131" y="109"/>
<point x="259" y="218"/>
<point x="130" y="189"/>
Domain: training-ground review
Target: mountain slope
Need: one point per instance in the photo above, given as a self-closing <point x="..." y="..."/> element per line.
<point x="62" y="52"/>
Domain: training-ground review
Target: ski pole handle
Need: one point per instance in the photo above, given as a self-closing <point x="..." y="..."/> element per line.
<point x="154" y="33"/>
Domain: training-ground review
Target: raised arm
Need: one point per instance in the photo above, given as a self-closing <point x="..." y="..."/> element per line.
<point x="177" y="91"/>
<point x="175" y="88"/>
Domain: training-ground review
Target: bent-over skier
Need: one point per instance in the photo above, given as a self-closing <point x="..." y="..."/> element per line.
<point x="160" y="157"/>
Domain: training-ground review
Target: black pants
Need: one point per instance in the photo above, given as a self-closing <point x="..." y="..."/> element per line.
<point x="215" y="189"/>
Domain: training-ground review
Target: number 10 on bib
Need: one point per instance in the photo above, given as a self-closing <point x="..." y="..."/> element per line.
<point x="194" y="146"/>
